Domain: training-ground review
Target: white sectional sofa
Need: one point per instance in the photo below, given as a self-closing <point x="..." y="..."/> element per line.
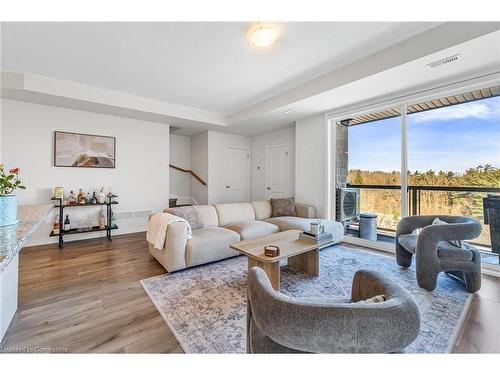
<point x="225" y="224"/>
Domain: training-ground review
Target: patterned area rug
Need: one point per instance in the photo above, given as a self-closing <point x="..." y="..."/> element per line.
<point x="205" y="307"/>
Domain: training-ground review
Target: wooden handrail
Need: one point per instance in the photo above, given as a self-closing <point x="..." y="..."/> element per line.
<point x="190" y="172"/>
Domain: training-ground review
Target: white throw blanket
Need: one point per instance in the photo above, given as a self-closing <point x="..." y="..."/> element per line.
<point x="157" y="228"/>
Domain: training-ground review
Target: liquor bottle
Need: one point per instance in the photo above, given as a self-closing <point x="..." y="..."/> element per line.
<point x="88" y="197"/>
<point x="67" y="225"/>
<point x="55" y="226"/>
<point x="102" y="196"/>
<point x="81" y="197"/>
<point x="72" y="197"/>
<point x="102" y="220"/>
<point x="110" y="195"/>
<point x="93" y="200"/>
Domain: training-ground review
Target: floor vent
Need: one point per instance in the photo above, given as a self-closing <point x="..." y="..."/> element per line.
<point x="446" y="60"/>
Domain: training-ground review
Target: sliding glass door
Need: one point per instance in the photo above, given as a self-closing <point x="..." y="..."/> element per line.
<point x="442" y="156"/>
<point x="368" y="166"/>
<point x="454" y="158"/>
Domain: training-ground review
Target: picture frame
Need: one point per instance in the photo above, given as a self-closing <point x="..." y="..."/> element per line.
<point x="80" y="150"/>
<point x="59" y="192"/>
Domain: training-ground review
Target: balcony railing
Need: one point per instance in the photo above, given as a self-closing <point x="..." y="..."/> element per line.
<point x="465" y="200"/>
<point x="414" y="192"/>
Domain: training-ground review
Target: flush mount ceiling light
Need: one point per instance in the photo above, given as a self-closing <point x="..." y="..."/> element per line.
<point x="263" y="35"/>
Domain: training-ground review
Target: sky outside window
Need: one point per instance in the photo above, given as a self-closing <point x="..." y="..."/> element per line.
<point x="452" y="138"/>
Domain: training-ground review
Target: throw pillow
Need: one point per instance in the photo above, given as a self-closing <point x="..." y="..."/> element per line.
<point x="283" y="207"/>
<point x="188" y="213"/>
<point x="457" y="243"/>
<point x="375" y="299"/>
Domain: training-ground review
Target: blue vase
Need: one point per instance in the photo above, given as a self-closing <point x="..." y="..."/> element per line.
<point x="8" y="210"/>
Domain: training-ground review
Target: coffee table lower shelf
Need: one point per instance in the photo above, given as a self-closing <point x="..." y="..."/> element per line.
<point x="306" y="262"/>
<point x="301" y="255"/>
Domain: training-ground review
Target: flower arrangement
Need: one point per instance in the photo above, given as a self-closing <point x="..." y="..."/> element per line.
<point x="9" y="181"/>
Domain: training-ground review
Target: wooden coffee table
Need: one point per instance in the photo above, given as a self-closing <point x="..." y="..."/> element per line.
<point x="302" y="255"/>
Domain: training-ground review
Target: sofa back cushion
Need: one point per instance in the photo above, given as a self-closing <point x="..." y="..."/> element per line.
<point x="262" y="209"/>
<point x="229" y="213"/>
<point x="208" y="216"/>
<point x="188" y="213"/>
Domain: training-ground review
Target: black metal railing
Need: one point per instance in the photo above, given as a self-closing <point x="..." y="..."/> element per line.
<point x="490" y="253"/>
<point x="414" y="192"/>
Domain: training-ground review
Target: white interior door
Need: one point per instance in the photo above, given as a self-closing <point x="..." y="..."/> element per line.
<point x="237" y="166"/>
<point x="277" y="171"/>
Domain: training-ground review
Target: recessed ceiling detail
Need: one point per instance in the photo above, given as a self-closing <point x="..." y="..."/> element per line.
<point x="130" y="78"/>
<point x="207" y="65"/>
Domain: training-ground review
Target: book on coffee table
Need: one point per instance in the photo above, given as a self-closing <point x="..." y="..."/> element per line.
<point x="317" y="239"/>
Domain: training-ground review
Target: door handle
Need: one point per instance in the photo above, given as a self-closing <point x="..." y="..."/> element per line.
<point x="228" y="186"/>
<point x="268" y="188"/>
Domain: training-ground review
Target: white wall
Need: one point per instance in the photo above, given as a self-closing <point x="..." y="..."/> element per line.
<point x="217" y="143"/>
<point x="180" y="156"/>
<point x="199" y="165"/>
<point x="310" y="162"/>
<point x="141" y="177"/>
<point x="258" y="167"/>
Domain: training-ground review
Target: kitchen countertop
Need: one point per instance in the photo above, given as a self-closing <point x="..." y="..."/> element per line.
<point x="14" y="237"/>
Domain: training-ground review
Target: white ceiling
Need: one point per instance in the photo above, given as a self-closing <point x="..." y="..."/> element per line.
<point x="201" y="76"/>
<point x="210" y="66"/>
<point x="479" y="56"/>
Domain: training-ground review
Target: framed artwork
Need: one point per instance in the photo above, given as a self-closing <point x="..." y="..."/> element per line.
<point x="84" y="150"/>
<point x="59" y="192"/>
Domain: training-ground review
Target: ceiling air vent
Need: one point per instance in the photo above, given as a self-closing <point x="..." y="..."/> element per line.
<point x="446" y="60"/>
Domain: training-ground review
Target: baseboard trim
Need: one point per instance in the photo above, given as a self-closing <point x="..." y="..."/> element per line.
<point x="382" y="246"/>
<point x="86" y="236"/>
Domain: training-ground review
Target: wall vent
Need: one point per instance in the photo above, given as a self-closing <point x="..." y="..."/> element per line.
<point x="123" y="215"/>
<point x="444" y="61"/>
<point x="142" y="213"/>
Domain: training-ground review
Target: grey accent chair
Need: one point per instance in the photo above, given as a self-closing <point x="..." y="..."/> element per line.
<point x="433" y="252"/>
<point x="279" y="324"/>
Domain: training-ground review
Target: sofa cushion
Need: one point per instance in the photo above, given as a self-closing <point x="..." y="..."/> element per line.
<point x="303" y="224"/>
<point x="283" y="207"/>
<point x="209" y="245"/>
<point x="445" y="249"/>
<point x="263" y="209"/>
<point x="208" y="216"/>
<point x="253" y="229"/>
<point x="188" y="213"/>
<point x="291" y="222"/>
<point x="229" y="213"/>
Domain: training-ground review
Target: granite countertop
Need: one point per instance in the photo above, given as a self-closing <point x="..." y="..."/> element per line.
<point x="14" y="237"/>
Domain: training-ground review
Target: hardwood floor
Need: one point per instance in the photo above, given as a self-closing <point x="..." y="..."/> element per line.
<point x="87" y="298"/>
